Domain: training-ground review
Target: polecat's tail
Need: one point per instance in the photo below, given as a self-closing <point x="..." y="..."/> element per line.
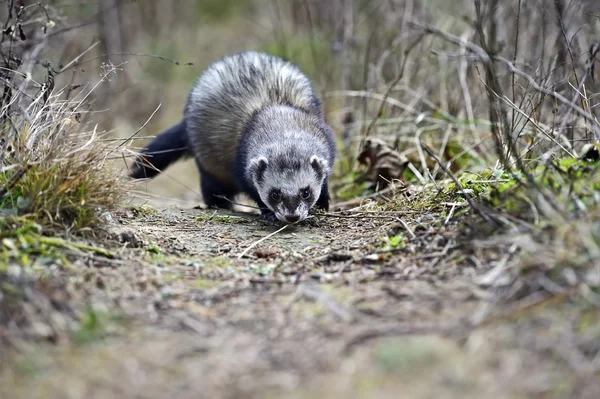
<point x="165" y="149"/>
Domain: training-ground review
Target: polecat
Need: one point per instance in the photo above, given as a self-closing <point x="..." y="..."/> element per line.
<point x="254" y="124"/>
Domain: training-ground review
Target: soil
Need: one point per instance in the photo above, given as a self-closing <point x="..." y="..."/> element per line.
<point x="326" y="309"/>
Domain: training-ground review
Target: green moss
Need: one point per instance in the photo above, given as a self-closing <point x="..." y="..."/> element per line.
<point x="156" y="254"/>
<point x="472" y="184"/>
<point x="396" y="241"/>
<point x="505" y="186"/>
<point x="22" y="243"/>
<point x="565" y="179"/>
<point x="153" y="248"/>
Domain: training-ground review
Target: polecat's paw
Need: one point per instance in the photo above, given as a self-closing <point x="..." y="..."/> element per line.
<point x="310" y="222"/>
<point x="268" y="216"/>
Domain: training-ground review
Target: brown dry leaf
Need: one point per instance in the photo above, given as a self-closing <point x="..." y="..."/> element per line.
<point x="264" y="253"/>
<point x="385" y="164"/>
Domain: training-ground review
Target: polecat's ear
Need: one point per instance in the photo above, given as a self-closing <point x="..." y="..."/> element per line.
<point x="319" y="165"/>
<point x="259" y="165"/>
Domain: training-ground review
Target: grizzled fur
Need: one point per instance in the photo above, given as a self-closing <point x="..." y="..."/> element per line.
<point x="253" y="124"/>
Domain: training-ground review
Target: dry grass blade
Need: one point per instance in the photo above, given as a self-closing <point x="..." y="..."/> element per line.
<point x="476" y="208"/>
<point x="66" y="181"/>
<point x="255" y="243"/>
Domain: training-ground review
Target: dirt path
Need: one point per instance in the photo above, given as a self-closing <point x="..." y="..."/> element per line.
<point x="324" y="310"/>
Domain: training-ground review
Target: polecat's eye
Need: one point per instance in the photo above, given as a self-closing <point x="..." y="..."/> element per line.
<point x="305" y="193"/>
<point x="275" y="195"/>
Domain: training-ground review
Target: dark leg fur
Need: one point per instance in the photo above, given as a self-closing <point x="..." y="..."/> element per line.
<point x="323" y="201"/>
<point x="211" y="188"/>
<point x="268" y="215"/>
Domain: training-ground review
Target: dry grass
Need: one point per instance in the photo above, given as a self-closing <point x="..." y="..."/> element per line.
<point x="53" y="171"/>
<point x="53" y="161"/>
<point x="54" y="180"/>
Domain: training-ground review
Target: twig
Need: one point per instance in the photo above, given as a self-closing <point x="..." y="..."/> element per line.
<point x="535" y="124"/>
<point x="553" y="94"/>
<point x="559" y="12"/>
<point x="366" y="80"/>
<point x="472" y="204"/>
<point x="237" y="203"/>
<point x="74" y="60"/>
<point x="245" y="251"/>
<point x="578" y="94"/>
<point x="333" y="215"/>
<point x="122" y="53"/>
<point x="406" y="228"/>
<point x="357" y="200"/>
<point x="137" y="131"/>
<point x="514" y="85"/>
<point x="486" y="59"/>
<point x="394" y="83"/>
<point x="313" y="51"/>
<point x="450" y="214"/>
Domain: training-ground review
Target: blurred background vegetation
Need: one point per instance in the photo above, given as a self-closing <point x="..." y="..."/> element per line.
<point x="358" y="52"/>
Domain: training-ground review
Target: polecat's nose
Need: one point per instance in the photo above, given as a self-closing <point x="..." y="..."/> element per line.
<point x="292" y="218"/>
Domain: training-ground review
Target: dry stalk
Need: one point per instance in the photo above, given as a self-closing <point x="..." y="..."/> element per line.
<point x="472" y="204"/>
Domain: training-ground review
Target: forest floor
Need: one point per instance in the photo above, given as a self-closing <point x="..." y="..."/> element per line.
<point x="336" y="308"/>
<point x="415" y="298"/>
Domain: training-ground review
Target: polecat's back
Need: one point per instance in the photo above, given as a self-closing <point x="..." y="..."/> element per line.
<point x="226" y="96"/>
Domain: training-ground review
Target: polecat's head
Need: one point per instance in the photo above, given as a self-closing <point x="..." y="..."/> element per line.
<point x="289" y="186"/>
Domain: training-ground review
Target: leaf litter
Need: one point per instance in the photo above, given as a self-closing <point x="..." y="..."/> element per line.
<point x="345" y="306"/>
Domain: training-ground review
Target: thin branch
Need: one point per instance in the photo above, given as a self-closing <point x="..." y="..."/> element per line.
<point x="139" y="130"/>
<point x="486" y="58"/>
<point x="472" y="203"/>
<point x="406" y="52"/>
<point x="125" y="53"/>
